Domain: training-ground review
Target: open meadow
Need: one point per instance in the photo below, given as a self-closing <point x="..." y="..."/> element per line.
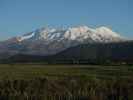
<point x="65" y="82"/>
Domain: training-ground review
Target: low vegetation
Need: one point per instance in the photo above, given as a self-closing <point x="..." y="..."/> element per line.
<point x="65" y="82"/>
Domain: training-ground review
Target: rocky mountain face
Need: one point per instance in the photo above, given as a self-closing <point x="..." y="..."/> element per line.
<point x="49" y="41"/>
<point x="95" y="53"/>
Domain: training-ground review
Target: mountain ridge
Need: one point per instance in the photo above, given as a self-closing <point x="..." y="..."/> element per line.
<point x="50" y="41"/>
<point x="72" y="33"/>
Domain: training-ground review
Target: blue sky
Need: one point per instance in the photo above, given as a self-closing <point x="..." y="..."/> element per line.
<point x="20" y="16"/>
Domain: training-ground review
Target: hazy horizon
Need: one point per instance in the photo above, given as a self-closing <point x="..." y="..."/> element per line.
<point x="21" y="16"/>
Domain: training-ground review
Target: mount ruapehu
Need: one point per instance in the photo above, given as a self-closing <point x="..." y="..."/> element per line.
<point x="80" y="44"/>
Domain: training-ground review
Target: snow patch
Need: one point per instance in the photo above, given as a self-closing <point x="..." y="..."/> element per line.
<point x="25" y="37"/>
<point x="80" y="33"/>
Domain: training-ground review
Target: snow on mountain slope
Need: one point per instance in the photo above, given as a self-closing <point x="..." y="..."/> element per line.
<point x="48" y="41"/>
<point x="81" y="33"/>
<point x="26" y="36"/>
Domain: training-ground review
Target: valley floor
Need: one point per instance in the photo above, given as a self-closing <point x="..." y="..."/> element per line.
<point x="65" y="82"/>
<point x="30" y="71"/>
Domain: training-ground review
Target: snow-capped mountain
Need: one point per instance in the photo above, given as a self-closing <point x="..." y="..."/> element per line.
<point x="48" y="41"/>
<point x="81" y="33"/>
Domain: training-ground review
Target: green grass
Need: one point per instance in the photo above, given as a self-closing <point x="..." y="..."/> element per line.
<point x="29" y="71"/>
<point x="51" y="82"/>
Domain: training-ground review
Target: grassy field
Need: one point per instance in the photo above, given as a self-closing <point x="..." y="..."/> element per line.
<point x="65" y="82"/>
<point x="29" y="71"/>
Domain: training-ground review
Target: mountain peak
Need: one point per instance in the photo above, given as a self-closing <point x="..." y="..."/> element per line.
<point x="104" y="28"/>
<point x="47" y="41"/>
<point x="79" y="33"/>
<point x="105" y="31"/>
